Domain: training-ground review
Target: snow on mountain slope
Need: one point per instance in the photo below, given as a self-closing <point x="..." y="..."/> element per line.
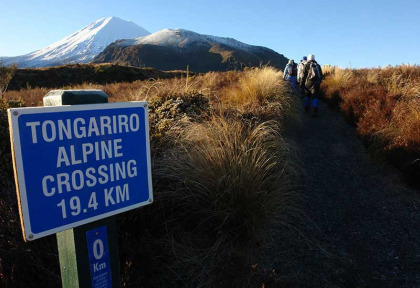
<point x="83" y="45"/>
<point x="180" y="38"/>
<point x="176" y="49"/>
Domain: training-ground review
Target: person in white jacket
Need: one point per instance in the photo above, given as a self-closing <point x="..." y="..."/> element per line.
<point x="300" y="72"/>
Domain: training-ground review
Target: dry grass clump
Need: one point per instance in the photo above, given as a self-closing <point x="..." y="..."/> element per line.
<point x="404" y="128"/>
<point x="256" y="87"/>
<point x="336" y="80"/>
<point x="384" y="103"/>
<point x="262" y="92"/>
<point x="231" y="184"/>
<point x="328" y="70"/>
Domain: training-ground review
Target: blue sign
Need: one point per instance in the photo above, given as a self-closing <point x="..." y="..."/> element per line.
<point x="99" y="258"/>
<point x="78" y="164"/>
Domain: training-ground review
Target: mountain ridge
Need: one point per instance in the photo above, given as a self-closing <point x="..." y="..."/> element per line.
<point x="116" y="41"/>
<point x="175" y="49"/>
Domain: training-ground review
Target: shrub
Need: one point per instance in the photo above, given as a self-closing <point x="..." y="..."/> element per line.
<point x="31" y="96"/>
<point x="166" y="112"/>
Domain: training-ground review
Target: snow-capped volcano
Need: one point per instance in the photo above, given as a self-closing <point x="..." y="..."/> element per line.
<point x="82" y="46"/>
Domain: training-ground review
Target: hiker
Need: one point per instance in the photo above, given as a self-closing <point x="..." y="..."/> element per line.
<point x="290" y="73"/>
<point x="311" y="82"/>
<point x="301" y="69"/>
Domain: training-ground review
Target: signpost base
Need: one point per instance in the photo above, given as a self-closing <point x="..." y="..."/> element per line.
<point x="74" y="255"/>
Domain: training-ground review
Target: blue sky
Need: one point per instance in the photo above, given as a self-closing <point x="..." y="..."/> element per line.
<point x="352" y="33"/>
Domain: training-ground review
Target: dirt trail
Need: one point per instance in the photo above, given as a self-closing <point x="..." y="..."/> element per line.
<point x="365" y="219"/>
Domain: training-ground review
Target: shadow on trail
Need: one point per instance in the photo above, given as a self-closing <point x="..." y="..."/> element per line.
<point x="363" y="221"/>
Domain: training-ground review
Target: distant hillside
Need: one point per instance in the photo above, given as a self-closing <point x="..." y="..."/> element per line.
<point x="177" y="49"/>
<point x="59" y="76"/>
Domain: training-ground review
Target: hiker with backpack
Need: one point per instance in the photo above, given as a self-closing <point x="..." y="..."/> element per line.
<point x="290" y="74"/>
<point x="300" y="72"/>
<point x="311" y="82"/>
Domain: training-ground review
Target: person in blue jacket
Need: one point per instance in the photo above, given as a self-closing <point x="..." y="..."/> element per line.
<point x="290" y="74"/>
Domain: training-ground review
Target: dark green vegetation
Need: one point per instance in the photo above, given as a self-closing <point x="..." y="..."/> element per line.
<point x="59" y="76"/>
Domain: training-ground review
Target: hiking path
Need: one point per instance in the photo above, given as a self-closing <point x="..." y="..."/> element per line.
<point x="362" y="219"/>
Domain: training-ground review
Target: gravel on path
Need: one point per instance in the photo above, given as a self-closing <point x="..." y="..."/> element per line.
<point x="362" y="221"/>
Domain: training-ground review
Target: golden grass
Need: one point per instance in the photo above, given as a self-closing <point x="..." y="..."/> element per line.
<point x="232" y="183"/>
<point x="224" y="177"/>
<point x="262" y="92"/>
<point x="404" y="128"/>
<point x="251" y="91"/>
<point x="256" y="87"/>
<point x="384" y="103"/>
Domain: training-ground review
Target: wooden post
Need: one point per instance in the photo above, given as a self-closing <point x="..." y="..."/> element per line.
<point x="75" y="255"/>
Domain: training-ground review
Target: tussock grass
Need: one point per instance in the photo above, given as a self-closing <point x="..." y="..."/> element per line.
<point x="232" y="183"/>
<point x="262" y="94"/>
<point x="256" y="87"/>
<point x="224" y="177"/>
<point x="336" y="80"/>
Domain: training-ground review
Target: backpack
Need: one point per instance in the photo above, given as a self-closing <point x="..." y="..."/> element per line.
<point x="301" y="70"/>
<point x="291" y="70"/>
<point x="314" y="75"/>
